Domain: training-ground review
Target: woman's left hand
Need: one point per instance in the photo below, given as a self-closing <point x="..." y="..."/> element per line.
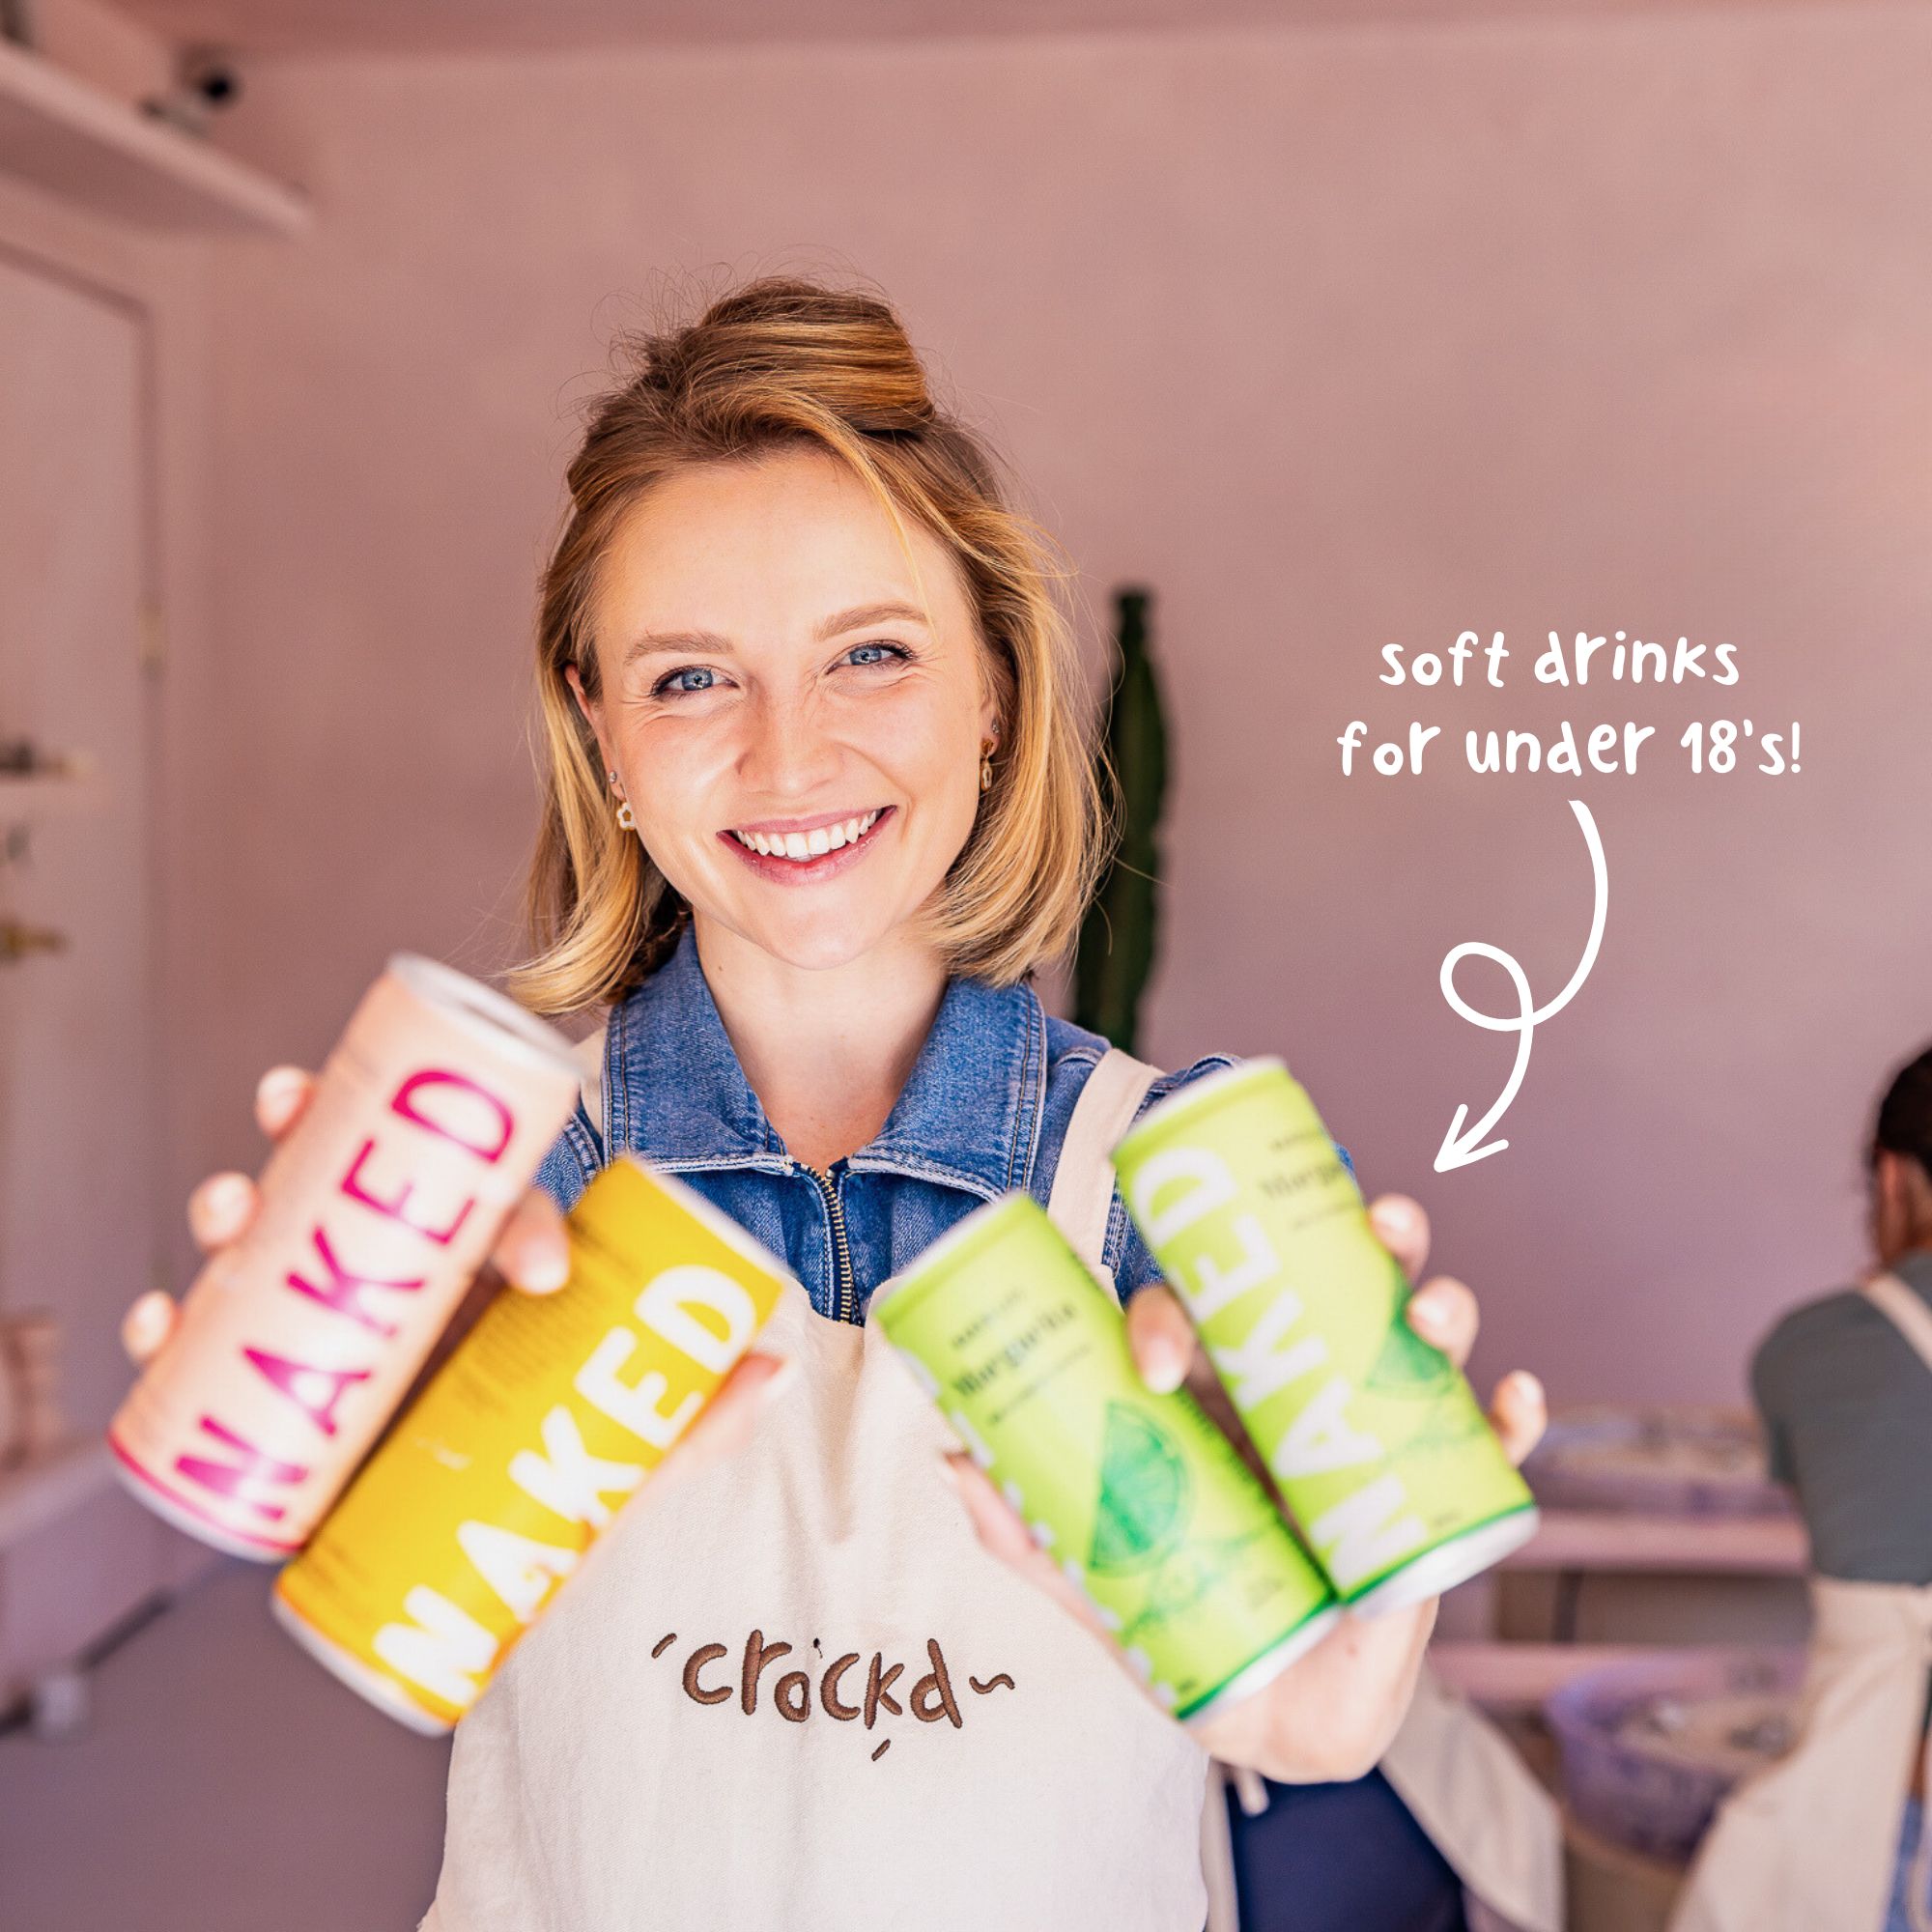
<point x="1331" y="1714"/>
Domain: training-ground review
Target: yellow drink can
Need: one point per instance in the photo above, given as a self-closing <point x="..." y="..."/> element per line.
<point x="459" y="1528"/>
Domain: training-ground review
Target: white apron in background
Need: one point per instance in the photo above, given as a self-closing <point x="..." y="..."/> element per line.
<point x="1810" y="1843"/>
<point x="1469" y="1788"/>
<point x="675" y="1745"/>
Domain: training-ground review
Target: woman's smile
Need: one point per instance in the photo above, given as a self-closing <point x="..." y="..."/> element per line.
<point x="801" y="851"/>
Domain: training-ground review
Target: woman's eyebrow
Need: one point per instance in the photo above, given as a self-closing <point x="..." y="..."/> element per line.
<point x="709" y="644"/>
<point x="656" y="643"/>
<point x="870" y="614"/>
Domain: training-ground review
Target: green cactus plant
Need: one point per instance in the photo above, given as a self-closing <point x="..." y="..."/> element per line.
<point x="1121" y="932"/>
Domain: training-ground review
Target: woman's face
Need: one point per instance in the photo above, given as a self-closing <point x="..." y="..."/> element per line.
<point x="794" y="712"/>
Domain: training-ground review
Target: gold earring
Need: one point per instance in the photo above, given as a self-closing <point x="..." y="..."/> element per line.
<point x="626" y="818"/>
<point x="986" y="764"/>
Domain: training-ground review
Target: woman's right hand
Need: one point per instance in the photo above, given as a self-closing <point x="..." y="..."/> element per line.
<point x="533" y="1254"/>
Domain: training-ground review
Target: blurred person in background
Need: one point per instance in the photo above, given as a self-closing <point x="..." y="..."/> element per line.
<point x="1832" y="1834"/>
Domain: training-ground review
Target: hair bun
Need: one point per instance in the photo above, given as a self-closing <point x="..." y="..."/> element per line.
<point x="847" y="351"/>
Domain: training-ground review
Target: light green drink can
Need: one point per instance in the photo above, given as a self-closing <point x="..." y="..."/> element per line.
<point x="1376" y="1439"/>
<point x="1143" y="1501"/>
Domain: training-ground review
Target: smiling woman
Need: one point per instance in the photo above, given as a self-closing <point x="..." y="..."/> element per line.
<point x="819" y="800"/>
<point x="788" y="440"/>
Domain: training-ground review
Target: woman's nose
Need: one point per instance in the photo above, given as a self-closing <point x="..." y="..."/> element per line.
<point x="785" y="754"/>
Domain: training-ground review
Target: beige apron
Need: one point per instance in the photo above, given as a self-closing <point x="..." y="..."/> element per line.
<point x="1810" y="1844"/>
<point x="1469" y="1789"/>
<point x="793" y="1691"/>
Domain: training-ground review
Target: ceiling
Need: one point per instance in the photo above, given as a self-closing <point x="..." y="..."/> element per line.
<point x="347" y="26"/>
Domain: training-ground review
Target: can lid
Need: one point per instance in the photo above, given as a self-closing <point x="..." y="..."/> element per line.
<point x="491" y="1016"/>
<point x="1209" y="1087"/>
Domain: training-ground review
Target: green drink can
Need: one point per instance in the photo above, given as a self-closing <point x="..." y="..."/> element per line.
<point x="1142" y="1499"/>
<point x="1376" y="1439"/>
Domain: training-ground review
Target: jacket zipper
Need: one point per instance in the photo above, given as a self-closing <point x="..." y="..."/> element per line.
<point x="848" y="1286"/>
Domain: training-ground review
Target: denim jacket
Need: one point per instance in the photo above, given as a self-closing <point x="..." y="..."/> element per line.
<point x="984" y="1112"/>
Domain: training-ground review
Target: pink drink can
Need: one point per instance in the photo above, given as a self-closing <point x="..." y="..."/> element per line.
<point x="294" y="1345"/>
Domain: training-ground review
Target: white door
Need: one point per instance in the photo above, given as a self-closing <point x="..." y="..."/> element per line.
<point x="75" y="1119"/>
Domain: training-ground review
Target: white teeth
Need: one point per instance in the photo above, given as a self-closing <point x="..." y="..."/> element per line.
<point x="807" y="845"/>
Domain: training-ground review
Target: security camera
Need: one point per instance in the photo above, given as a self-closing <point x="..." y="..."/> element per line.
<point x="208" y="83"/>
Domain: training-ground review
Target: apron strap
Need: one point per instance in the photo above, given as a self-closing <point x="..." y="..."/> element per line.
<point x="1904" y="1311"/>
<point x="1080" y="1206"/>
<point x="1082" y="1199"/>
<point x="1914" y="1320"/>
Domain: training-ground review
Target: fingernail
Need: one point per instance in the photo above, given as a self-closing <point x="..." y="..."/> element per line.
<point x="1395" y="1214"/>
<point x="776" y="1383"/>
<point x="1166" y="1369"/>
<point x="1526" y="1385"/>
<point x="277" y="1086"/>
<point x="949" y="1471"/>
<point x="543" y="1272"/>
<point x="223" y="1199"/>
<point x="144" y="1324"/>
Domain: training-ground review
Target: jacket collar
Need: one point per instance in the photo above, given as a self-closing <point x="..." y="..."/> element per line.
<point x="969" y="1116"/>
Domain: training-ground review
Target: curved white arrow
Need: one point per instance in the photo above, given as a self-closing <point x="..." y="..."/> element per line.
<point x="1459" y="1148"/>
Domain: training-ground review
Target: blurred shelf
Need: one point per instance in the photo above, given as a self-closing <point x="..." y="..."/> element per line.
<point x="1759" y="1545"/>
<point x="69" y="136"/>
<point x="36" y="1494"/>
<point x="1519" y="1676"/>
<point x="49" y="794"/>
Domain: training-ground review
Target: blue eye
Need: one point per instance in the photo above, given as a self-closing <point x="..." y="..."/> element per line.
<point x="872" y="654"/>
<point x="693" y="677"/>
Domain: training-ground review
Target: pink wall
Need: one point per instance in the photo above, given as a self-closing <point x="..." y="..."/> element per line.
<point x="1337" y="338"/>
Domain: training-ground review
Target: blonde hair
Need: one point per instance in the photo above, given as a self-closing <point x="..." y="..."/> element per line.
<point x="786" y="364"/>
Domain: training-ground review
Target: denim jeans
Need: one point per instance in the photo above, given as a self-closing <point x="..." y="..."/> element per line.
<point x="1341" y="1858"/>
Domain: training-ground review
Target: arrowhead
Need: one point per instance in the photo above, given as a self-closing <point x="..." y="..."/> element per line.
<point x="1455" y="1153"/>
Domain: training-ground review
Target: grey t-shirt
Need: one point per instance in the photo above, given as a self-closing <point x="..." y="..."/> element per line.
<point x="1847" y="1408"/>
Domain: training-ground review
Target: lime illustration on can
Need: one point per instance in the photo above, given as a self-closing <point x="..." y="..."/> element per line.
<point x="1376" y="1439"/>
<point x="458" y="1531"/>
<point x="1142" y="1501"/>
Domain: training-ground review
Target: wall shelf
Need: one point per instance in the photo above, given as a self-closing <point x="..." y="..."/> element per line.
<point x="56" y="794"/>
<point x="39" y="1493"/>
<point x="1760" y="1546"/>
<point x="69" y="136"/>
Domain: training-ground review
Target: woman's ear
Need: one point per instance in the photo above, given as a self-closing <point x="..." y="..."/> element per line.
<point x="593" y="714"/>
<point x="1902" y="1205"/>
